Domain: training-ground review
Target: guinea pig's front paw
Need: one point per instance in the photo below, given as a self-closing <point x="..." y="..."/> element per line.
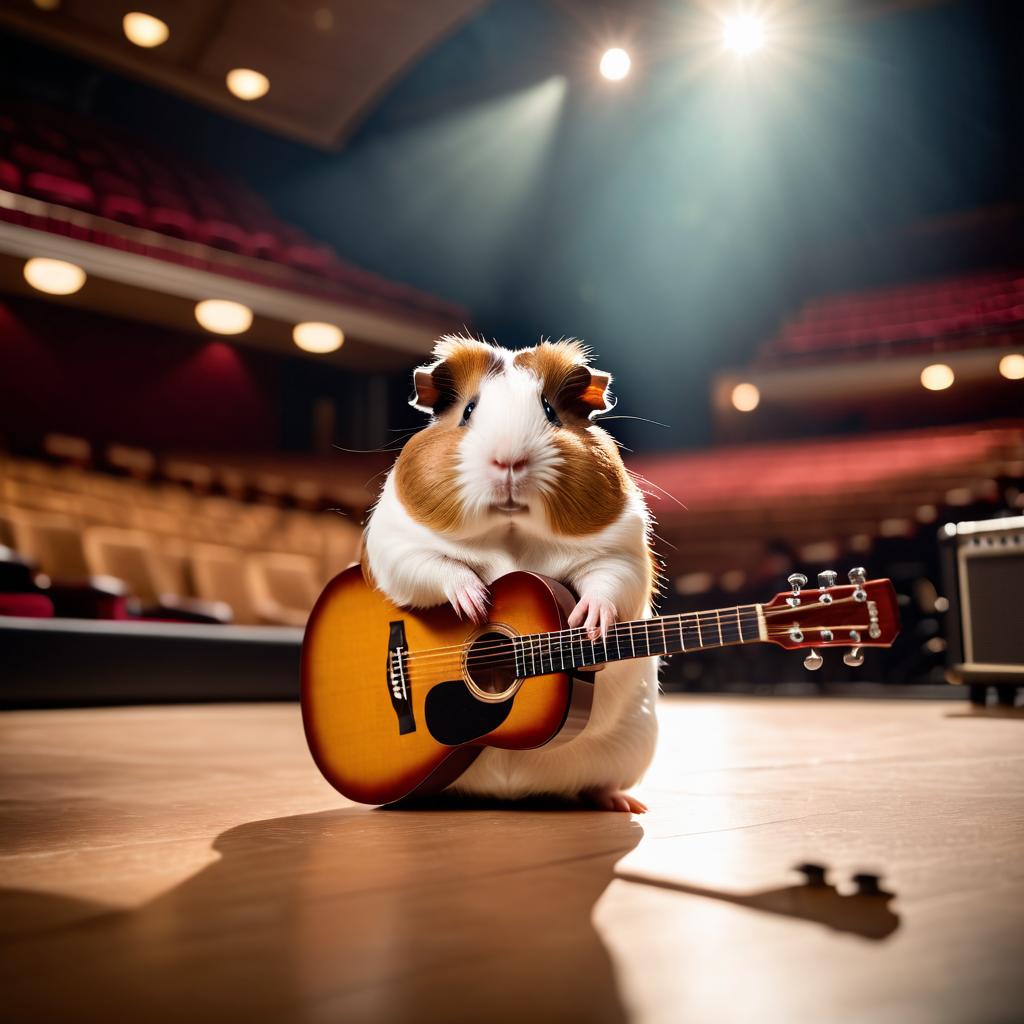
<point x="468" y="596"/>
<point x="596" y="614"/>
<point x="610" y="799"/>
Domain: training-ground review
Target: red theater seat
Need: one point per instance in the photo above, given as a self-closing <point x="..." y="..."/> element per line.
<point x="29" y="606"/>
<point x="33" y="159"/>
<point x="63" y="191"/>
<point x="173" y="222"/>
<point x="221" y="235"/>
<point x="126" y="209"/>
<point x="10" y="176"/>
<point x="109" y="183"/>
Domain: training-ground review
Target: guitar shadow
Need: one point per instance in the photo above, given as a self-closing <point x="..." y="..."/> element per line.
<point x="349" y="914"/>
<point x="865" y="913"/>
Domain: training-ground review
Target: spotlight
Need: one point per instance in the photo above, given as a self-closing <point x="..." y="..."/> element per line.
<point x="223" y="317"/>
<point x="1012" y="366"/>
<point x="144" y="30"/>
<point x="615" y="64"/>
<point x="743" y="33"/>
<point x="247" y="84"/>
<point x="937" y="377"/>
<point x="317" y="337"/>
<point x="55" y="277"/>
<point x="746" y="397"/>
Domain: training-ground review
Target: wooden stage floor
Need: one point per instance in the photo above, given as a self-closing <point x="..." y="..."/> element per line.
<point x="188" y="864"/>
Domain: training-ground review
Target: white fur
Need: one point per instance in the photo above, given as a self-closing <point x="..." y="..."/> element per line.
<point x="418" y="567"/>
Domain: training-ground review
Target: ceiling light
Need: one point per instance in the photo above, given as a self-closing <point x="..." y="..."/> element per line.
<point x="247" y="84"/>
<point x="937" y="377"/>
<point x="145" y="30"/>
<point x="47" y="5"/>
<point x="743" y="33"/>
<point x="1012" y="366"/>
<point x="746" y="397"/>
<point x="55" y="277"/>
<point x="223" y="317"/>
<point x="317" y="337"/>
<point x="615" y="64"/>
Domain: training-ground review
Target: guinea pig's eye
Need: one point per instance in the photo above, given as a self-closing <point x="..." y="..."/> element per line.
<point x="550" y="412"/>
<point x="467" y="412"/>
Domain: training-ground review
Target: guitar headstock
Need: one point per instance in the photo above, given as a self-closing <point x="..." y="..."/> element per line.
<point x="861" y="614"/>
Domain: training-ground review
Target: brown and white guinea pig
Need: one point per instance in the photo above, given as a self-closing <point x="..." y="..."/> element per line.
<point x="511" y="473"/>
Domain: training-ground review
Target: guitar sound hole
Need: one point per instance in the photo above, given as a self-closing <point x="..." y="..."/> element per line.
<point x="491" y="663"/>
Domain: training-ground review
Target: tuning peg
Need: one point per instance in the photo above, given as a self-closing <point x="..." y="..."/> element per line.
<point x="826" y="579"/>
<point x="858" y="577"/>
<point x="796" y="580"/>
<point x="813" y="661"/>
<point x="816" y="874"/>
<point x="854" y="658"/>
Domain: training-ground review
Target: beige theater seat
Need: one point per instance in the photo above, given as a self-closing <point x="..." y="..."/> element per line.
<point x="128" y="555"/>
<point x="221" y="573"/>
<point x="52" y="541"/>
<point x="285" y="587"/>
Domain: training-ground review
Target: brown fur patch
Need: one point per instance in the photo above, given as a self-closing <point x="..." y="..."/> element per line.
<point x="594" y="484"/>
<point x="464" y="363"/>
<point x="426" y="476"/>
<point x="568" y="381"/>
<point x="426" y="473"/>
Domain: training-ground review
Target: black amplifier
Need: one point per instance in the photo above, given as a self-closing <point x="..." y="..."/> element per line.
<point x="983" y="576"/>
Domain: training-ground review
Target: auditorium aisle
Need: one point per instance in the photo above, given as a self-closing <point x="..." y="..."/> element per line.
<point x="188" y="863"/>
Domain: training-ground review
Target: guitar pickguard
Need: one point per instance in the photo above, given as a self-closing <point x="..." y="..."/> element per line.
<point x="454" y="716"/>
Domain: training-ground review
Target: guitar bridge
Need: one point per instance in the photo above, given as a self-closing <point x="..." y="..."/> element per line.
<point x="399" y="686"/>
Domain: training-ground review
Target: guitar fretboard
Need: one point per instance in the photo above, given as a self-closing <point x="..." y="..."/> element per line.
<point x="538" y="654"/>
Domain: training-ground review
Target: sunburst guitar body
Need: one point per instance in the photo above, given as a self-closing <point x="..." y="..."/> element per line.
<point x="398" y="701"/>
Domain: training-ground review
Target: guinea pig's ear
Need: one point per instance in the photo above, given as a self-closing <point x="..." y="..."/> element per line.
<point x="586" y="391"/>
<point x="427" y="391"/>
<point x="459" y="365"/>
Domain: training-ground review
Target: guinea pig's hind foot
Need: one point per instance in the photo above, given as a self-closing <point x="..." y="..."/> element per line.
<point x="610" y="799"/>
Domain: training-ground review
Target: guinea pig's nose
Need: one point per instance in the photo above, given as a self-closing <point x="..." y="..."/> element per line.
<point x="505" y="466"/>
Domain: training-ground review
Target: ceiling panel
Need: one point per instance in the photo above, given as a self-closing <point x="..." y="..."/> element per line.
<point x="327" y="60"/>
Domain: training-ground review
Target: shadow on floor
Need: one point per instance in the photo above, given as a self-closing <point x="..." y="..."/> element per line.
<point x="341" y="915"/>
<point x="865" y="913"/>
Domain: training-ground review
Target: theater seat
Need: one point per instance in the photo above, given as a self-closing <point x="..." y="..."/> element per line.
<point x="63" y="191"/>
<point x="29" y="606"/>
<point x="10" y="176"/>
<point x="125" y="209"/>
<point x="52" y="541"/>
<point x="220" y="574"/>
<point x="285" y="587"/>
<point x="127" y="555"/>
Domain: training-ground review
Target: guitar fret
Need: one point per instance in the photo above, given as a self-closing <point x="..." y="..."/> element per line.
<point x="535" y="654"/>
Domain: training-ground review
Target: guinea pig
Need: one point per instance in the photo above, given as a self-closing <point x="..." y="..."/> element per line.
<point x="511" y="473"/>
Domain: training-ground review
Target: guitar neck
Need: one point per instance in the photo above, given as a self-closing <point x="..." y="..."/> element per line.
<point x="539" y="654"/>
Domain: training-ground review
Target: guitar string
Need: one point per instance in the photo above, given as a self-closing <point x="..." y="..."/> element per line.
<point x="571" y="631"/>
<point x="539" y="654"/>
<point x="676" y="621"/>
<point x="540" y="659"/>
<point x="503" y="651"/>
<point x="511" y="661"/>
<point x="574" y="634"/>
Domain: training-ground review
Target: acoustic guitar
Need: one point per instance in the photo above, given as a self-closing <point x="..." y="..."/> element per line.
<point x="398" y="701"/>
